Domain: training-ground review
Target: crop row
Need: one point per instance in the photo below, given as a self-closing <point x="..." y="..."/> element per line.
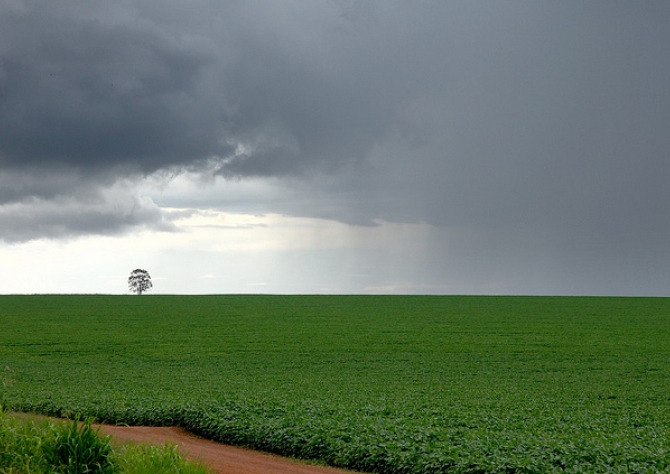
<point x="392" y="385"/>
<point x="382" y="440"/>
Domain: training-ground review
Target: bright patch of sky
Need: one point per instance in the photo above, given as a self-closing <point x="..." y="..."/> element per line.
<point x="216" y="252"/>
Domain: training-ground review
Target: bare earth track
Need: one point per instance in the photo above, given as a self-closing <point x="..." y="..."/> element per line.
<point x="220" y="458"/>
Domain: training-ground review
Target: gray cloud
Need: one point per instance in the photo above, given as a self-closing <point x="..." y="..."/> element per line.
<point x="147" y="87"/>
<point x="85" y="95"/>
<point x="540" y="128"/>
<point x="67" y="218"/>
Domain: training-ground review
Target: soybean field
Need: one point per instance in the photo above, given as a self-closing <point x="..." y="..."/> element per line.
<point x="387" y="384"/>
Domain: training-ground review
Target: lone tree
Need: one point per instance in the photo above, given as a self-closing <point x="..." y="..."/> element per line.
<point x="139" y="281"/>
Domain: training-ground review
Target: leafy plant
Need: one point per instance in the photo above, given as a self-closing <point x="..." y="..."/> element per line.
<point x="6" y="381"/>
<point x="77" y="448"/>
<point x="20" y="446"/>
<point x="147" y="459"/>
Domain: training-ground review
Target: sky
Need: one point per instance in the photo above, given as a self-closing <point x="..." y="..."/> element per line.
<point x="335" y="146"/>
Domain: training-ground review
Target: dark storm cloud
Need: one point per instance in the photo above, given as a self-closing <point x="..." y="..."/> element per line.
<point x="78" y="93"/>
<point x="91" y="93"/>
<point x="539" y="129"/>
<point x="148" y="87"/>
<point x="481" y="92"/>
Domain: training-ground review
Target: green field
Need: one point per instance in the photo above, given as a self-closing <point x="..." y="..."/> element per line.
<point x="393" y="384"/>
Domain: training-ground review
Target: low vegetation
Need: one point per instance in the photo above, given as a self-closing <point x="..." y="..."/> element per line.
<point x="378" y="384"/>
<point x="29" y="446"/>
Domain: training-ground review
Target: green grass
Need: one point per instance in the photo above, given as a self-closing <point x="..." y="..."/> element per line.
<point x="394" y="384"/>
<point x="45" y="447"/>
<point x="148" y="459"/>
<point x="75" y="448"/>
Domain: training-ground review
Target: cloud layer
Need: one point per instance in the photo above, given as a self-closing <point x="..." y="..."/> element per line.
<point x="539" y="129"/>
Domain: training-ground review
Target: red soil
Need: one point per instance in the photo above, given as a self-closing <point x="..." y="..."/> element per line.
<point x="219" y="457"/>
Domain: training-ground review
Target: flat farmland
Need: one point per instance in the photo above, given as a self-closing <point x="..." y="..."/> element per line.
<point x="393" y="384"/>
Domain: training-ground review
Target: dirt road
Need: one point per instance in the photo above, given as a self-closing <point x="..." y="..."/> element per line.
<point x="219" y="457"/>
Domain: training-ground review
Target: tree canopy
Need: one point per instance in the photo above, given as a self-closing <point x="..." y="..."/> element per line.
<point x="139" y="281"/>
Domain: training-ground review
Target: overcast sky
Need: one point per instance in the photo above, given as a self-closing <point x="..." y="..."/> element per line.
<point x="351" y="146"/>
